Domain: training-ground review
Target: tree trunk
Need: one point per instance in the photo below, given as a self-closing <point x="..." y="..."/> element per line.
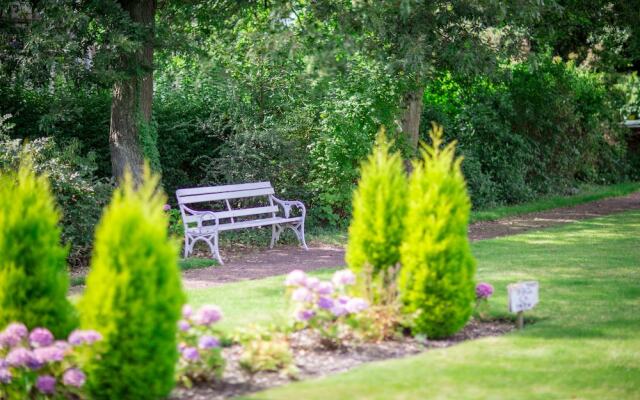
<point x="412" y="102"/>
<point x="132" y="97"/>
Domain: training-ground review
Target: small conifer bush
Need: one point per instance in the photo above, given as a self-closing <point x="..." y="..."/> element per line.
<point x="377" y="226"/>
<point x="133" y="297"/>
<point x="33" y="276"/>
<point x="437" y="277"/>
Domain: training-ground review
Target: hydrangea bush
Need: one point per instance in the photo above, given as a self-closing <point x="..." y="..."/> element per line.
<point x="325" y="306"/>
<point x="199" y="345"/>
<point x="35" y="365"/>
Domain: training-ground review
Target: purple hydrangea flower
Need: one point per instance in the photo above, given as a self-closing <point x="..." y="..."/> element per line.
<point x="343" y="277"/>
<point x="74" y="377"/>
<point x="21" y="357"/>
<point x="338" y="310"/>
<point x="46" y="384"/>
<point x="18" y="329"/>
<point x="62" y="345"/>
<point x="41" y="337"/>
<point x="305" y="315"/>
<point x="3" y="363"/>
<point x="13" y="334"/>
<point x="296" y="278"/>
<point x="187" y="311"/>
<point x="312" y="283"/>
<point x="302" y="295"/>
<point x="166" y="207"/>
<point x="355" y="305"/>
<point x="5" y="375"/>
<point x="79" y="337"/>
<point x="184" y="325"/>
<point x="208" y="342"/>
<point x="324" y="288"/>
<point x="209" y="315"/>
<point x="49" y="354"/>
<point x="343" y="300"/>
<point x="326" y="303"/>
<point x="484" y="290"/>
<point x="190" y="354"/>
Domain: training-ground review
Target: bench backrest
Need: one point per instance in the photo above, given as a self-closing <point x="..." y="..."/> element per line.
<point x="226" y="193"/>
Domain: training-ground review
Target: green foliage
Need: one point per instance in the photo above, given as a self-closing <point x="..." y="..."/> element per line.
<point x="79" y="193"/>
<point x="133" y="297"/>
<point x="540" y="127"/>
<point x="377" y="226"/>
<point x="265" y="349"/>
<point x="630" y="86"/>
<point x="436" y="281"/>
<point x="33" y="276"/>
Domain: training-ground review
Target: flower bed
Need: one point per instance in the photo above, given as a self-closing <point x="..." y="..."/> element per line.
<point x="312" y="359"/>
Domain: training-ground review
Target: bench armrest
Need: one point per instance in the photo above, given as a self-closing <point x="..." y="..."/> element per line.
<point x="286" y="206"/>
<point x="200" y="215"/>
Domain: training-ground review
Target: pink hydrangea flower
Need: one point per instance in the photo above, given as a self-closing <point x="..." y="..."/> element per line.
<point x="305" y="315"/>
<point x="74" y="377"/>
<point x="343" y="277"/>
<point x="5" y="375"/>
<point x="49" y="354"/>
<point x="208" y="315"/>
<point x="184" y="325"/>
<point x="324" y="288"/>
<point x="79" y="337"/>
<point x="356" y="305"/>
<point x="208" y="342"/>
<point x="41" y="337"/>
<point x="166" y="207"/>
<point x="302" y="295"/>
<point x="326" y="303"/>
<point x="296" y="278"/>
<point x="190" y="354"/>
<point x="483" y="290"/>
<point x="187" y="311"/>
<point x="312" y="283"/>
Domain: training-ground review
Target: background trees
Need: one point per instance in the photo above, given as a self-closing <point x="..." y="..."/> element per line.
<point x="294" y="91"/>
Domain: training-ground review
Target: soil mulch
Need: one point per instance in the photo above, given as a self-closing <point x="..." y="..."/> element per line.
<point x="261" y="263"/>
<point x="312" y="360"/>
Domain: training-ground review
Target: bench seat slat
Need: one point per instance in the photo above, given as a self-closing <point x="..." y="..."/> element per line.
<point x="225" y="195"/>
<point x="241" y="212"/>
<point x="246" y="224"/>
<point x="222" y="189"/>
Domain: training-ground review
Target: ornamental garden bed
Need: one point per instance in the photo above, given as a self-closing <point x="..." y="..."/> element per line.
<point x="311" y="359"/>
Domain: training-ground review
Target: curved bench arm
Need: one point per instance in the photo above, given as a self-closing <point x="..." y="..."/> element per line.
<point x="200" y="215"/>
<point x="286" y="206"/>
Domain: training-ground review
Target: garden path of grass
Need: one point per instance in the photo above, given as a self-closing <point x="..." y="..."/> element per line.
<point x="263" y="262"/>
<point x="584" y="344"/>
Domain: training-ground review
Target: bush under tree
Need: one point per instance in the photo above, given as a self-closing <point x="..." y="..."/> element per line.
<point x="436" y="281"/>
<point x="33" y="275"/>
<point x="377" y="226"/>
<point x="133" y="297"/>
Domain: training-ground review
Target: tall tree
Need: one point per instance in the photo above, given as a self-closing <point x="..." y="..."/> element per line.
<point x="131" y="128"/>
<point x="417" y="38"/>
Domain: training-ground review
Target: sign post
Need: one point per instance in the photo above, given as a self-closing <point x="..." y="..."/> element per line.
<point x="522" y="296"/>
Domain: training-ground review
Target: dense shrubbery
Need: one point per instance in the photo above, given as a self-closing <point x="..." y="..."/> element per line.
<point x="33" y="273"/>
<point x="80" y="195"/>
<point x="436" y="281"/>
<point x="133" y="297"/>
<point x="542" y="128"/>
<point x="377" y="225"/>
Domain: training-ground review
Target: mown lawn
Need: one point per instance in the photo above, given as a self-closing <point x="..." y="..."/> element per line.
<point x="585" y="343"/>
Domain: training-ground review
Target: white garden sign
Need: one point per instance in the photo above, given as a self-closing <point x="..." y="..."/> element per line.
<point x="522" y="296"/>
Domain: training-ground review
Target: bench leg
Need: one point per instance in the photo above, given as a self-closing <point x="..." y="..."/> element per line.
<point x="276" y="230"/>
<point x="299" y="231"/>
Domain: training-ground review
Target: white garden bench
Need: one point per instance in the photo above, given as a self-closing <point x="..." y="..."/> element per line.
<point x="206" y="225"/>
